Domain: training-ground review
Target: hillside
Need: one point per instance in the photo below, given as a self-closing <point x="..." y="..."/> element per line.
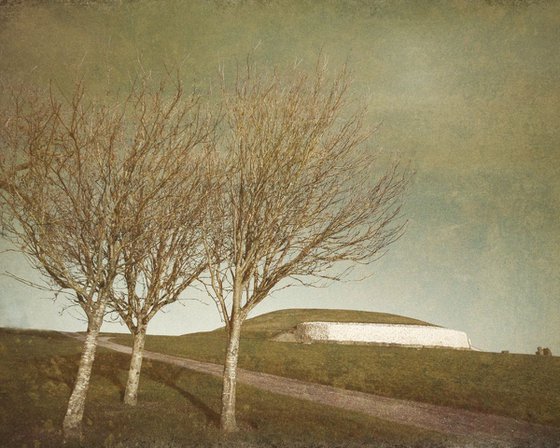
<point x="276" y="322"/>
<point x="526" y="387"/>
<point x="177" y="408"/>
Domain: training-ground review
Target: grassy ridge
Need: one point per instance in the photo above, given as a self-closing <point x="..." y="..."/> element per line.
<point x="520" y="386"/>
<point x="177" y="408"/>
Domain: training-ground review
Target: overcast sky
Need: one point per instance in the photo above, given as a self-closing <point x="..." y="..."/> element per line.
<point x="468" y="92"/>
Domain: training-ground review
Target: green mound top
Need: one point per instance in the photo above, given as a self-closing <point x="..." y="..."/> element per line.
<point x="286" y="320"/>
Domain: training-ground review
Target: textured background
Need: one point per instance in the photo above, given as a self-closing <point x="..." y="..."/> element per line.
<point x="467" y="91"/>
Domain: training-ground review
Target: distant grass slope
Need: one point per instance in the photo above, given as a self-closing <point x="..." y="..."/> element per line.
<point x="177" y="408"/>
<point x="277" y="322"/>
<point x="521" y="386"/>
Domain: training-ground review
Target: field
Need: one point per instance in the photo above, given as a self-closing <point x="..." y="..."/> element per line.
<point x="176" y="408"/>
<point x="181" y="408"/>
<point x="525" y="387"/>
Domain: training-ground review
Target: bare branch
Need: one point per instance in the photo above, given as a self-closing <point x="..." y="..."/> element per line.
<point x="297" y="196"/>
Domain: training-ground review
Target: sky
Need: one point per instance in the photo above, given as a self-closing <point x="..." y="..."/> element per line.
<point x="466" y="92"/>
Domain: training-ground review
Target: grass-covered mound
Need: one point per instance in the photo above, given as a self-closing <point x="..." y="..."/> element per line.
<point x="177" y="408"/>
<point x="521" y="386"/>
<point x="277" y="322"/>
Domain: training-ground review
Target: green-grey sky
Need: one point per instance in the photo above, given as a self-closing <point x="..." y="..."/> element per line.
<point x="467" y="91"/>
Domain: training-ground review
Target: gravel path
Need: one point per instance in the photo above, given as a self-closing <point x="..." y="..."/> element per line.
<point x="492" y="430"/>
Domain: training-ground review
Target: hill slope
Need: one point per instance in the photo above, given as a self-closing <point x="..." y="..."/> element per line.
<point x="176" y="408"/>
<point x="526" y="387"/>
<point x="276" y="322"/>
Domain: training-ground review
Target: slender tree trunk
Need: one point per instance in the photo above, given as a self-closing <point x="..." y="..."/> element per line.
<point x="72" y="424"/>
<point x="228" y="421"/>
<point x="131" y="392"/>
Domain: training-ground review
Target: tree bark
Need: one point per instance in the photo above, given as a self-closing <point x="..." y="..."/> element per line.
<point x="228" y="422"/>
<point x="72" y="424"/>
<point x="131" y="391"/>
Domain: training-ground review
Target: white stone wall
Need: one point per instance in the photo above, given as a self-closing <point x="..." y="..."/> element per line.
<point x="415" y="335"/>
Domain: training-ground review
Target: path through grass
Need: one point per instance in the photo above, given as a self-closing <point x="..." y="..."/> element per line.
<point x="177" y="408"/>
<point x="520" y="386"/>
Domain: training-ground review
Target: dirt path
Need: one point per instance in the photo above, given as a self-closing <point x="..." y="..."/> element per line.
<point x="492" y="430"/>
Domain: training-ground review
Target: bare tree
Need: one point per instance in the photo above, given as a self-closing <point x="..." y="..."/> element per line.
<point x="300" y="200"/>
<point x="164" y="257"/>
<point x="4" y="184"/>
<point x="90" y="194"/>
<point x="16" y="99"/>
<point x="65" y="208"/>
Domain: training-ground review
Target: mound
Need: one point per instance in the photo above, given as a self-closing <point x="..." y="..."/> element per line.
<point x="285" y="321"/>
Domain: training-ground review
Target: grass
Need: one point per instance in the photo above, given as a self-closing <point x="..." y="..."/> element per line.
<point x="525" y="387"/>
<point x="176" y="407"/>
<point x="181" y="408"/>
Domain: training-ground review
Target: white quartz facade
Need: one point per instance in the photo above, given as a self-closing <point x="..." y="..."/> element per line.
<point x="365" y="333"/>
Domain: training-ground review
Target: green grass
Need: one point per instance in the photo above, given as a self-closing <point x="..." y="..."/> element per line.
<point x="177" y="408"/>
<point x="521" y="386"/>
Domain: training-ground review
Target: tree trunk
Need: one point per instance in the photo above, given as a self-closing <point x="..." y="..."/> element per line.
<point x="228" y="422"/>
<point x="72" y="425"/>
<point x="131" y="392"/>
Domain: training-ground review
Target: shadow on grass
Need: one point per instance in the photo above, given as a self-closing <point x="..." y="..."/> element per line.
<point x="60" y="369"/>
<point x="168" y="375"/>
<point x="63" y="369"/>
<point x="59" y="373"/>
<point x="109" y="365"/>
<point x="113" y="367"/>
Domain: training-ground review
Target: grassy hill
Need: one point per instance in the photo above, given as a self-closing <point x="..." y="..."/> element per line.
<point x="271" y="324"/>
<point x="180" y="408"/>
<point x="521" y="386"/>
<point x="177" y="408"/>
